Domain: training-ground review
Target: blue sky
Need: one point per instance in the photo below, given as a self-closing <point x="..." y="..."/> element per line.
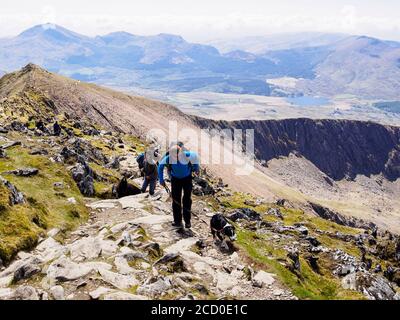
<point x="206" y="19"/>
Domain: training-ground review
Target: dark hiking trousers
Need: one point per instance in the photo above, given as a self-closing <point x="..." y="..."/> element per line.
<point x="152" y="183"/>
<point x="181" y="204"/>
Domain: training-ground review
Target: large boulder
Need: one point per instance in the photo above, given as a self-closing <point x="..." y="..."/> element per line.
<point x="50" y="249"/>
<point x="24" y="172"/>
<point x="10" y="144"/>
<point x="114" y="163"/>
<point x="373" y="286"/>
<point x="28" y="269"/>
<point x="120" y="281"/>
<point x="17" y="126"/>
<point x="201" y="187"/>
<point x="245" y="214"/>
<point x="262" y="279"/>
<point x="91" y="131"/>
<point x="40" y="126"/>
<point x="77" y="148"/>
<point x="393" y="274"/>
<point x="6" y="293"/>
<point x="64" y="269"/>
<point x="15" y="196"/>
<point x="155" y="286"/>
<point x="23" y="269"/>
<point x="91" y="248"/>
<point x="172" y="263"/>
<point x="57" y="293"/>
<point x="388" y="248"/>
<point x="276" y="212"/>
<point x="26" y="293"/>
<point x="83" y="176"/>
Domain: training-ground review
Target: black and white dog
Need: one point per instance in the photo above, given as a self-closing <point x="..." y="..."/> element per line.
<point x="221" y="228"/>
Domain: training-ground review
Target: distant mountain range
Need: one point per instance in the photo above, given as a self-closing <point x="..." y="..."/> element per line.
<point x="262" y="44"/>
<point x="325" y="64"/>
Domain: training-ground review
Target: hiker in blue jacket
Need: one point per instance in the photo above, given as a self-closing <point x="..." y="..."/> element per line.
<point x="181" y="163"/>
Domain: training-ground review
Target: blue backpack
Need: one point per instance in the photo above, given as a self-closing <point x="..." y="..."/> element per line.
<point x="140" y="160"/>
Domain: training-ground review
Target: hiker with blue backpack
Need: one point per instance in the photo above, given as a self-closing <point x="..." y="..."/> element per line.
<point x="181" y="164"/>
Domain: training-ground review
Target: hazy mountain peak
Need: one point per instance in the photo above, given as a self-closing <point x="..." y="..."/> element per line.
<point x="170" y="37"/>
<point x="363" y="43"/>
<point x="241" y="55"/>
<point x="369" y="40"/>
<point x="51" y="32"/>
<point x="38" y="29"/>
<point x="118" y="37"/>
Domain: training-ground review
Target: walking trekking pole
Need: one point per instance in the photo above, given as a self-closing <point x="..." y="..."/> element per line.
<point x="167" y="189"/>
<point x="168" y="192"/>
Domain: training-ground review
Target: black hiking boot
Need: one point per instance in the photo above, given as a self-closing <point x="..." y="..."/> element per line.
<point x="188" y="225"/>
<point x="177" y="225"/>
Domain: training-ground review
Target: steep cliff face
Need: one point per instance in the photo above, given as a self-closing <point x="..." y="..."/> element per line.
<point x="339" y="148"/>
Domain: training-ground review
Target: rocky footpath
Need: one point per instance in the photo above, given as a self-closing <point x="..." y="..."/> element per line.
<point x="128" y="250"/>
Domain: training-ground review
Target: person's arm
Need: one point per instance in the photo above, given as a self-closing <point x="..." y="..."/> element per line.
<point x="161" y="170"/>
<point x="194" y="159"/>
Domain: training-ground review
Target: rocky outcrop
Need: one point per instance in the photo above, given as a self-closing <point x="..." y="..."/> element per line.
<point x="24" y="172"/>
<point x="372" y="286"/>
<point x="83" y="176"/>
<point x="201" y="187"/>
<point x="338" y="218"/>
<point x="15" y="196"/>
<point x="76" y="148"/>
<point x="246" y="214"/>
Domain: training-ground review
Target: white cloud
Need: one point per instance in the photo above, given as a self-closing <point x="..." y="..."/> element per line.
<point x="264" y="17"/>
<point x="49" y="14"/>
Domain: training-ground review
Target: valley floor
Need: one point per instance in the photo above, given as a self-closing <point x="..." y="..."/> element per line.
<point x="233" y="107"/>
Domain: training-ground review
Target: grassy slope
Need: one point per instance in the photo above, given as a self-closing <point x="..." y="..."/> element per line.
<point x="266" y="254"/>
<point x="46" y="207"/>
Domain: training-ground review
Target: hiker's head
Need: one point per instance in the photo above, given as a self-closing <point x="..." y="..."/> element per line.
<point x="176" y="143"/>
<point x="153" y="154"/>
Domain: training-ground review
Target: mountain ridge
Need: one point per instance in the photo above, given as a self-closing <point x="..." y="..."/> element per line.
<point x="168" y="62"/>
